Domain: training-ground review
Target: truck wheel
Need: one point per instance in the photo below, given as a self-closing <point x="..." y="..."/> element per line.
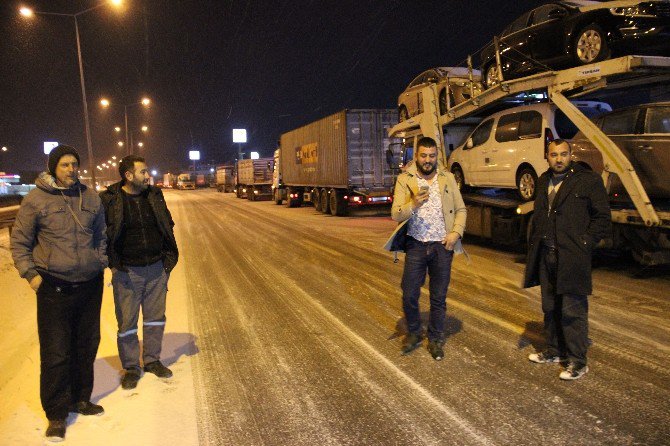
<point x="338" y="206"/>
<point x="526" y="183"/>
<point x="316" y="199"/>
<point x="277" y="197"/>
<point x="219" y="189"/>
<point x="325" y="203"/>
<point x="289" y="200"/>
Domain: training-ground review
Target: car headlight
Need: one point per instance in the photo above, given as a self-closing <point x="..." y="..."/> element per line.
<point x="632" y="11"/>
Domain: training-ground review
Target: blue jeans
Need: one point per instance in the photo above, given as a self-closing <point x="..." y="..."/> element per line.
<point x="145" y="288"/>
<point x="419" y="258"/>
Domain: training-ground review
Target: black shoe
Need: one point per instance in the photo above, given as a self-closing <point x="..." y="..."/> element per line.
<point x="436" y="350"/>
<point x="56" y="430"/>
<point x="158" y="369"/>
<point x="130" y="379"/>
<point x="87" y="408"/>
<point x="412" y="341"/>
<point x="574" y="371"/>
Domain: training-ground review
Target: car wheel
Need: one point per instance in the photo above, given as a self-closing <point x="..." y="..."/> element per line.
<point x="590" y="45"/>
<point x="492" y="76"/>
<point x="460" y="178"/>
<point x="403" y="114"/>
<point x="526" y="183"/>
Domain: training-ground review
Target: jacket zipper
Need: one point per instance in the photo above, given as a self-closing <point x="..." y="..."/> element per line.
<point x="144" y="235"/>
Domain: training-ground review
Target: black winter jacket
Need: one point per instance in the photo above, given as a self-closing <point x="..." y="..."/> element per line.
<point x="581" y="217"/>
<point x="112" y="200"/>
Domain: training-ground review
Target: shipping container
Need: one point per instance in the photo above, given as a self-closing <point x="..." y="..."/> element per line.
<point x="337" y="161"/>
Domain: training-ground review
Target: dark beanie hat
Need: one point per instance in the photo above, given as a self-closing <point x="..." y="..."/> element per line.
<point x="57" y="153"/>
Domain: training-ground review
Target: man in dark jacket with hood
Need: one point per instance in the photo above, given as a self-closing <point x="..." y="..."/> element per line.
<point x="58" y="246"/>
<point x="571" y="215"/>
<point x="142" y="251"/>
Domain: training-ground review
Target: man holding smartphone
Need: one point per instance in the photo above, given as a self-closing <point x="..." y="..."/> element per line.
<point x="429" y="198"/>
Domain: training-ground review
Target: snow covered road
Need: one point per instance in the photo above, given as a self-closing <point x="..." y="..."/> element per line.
<point x="291" y="324"/>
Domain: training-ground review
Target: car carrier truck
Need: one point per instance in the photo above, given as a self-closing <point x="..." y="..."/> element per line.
<point x="638" y="225"/>
<point x="337" y="162"/>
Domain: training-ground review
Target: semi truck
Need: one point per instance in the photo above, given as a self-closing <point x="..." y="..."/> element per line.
<point x="337" y="162"/>
<point x="254" y="179"/>
<point x="185" y="181"/>
<point x="225" y="178"/>
<point x="169" y="180"/>
<point x="639" y="225"/>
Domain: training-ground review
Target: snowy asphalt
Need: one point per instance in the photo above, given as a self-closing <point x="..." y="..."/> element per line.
<point x="298" y="321"/>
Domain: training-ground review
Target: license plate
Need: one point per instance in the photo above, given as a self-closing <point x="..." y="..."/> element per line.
<point x="376" y="199"/>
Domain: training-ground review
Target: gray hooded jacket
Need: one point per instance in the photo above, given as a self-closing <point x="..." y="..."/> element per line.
<point x="60" y="232"/>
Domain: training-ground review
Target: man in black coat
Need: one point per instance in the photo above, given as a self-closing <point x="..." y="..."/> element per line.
<point x="142" y="251"/>
<point x="571" y="215"/>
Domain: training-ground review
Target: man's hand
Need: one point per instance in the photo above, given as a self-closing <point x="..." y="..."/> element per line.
<point x="450" y="240"/>
<point x="419" y="199"/>
<point x="35" y="282"/>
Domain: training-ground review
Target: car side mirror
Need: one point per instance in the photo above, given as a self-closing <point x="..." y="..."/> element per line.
<point x="469" y="144"/>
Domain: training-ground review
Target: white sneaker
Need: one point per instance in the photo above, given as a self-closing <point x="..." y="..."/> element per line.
<point x="543" y="358"/>
<point x="573" y="371"/>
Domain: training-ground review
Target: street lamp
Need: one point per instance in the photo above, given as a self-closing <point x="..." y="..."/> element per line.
<point x="28" y="12"/>
<point x="145" y="101"/>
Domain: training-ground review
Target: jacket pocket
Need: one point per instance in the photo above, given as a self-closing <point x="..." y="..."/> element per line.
<point x="585" y="242"/>
<point x="54" y="218"/>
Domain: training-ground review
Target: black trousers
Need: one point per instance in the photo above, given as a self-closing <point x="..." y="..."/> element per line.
<point x="566" y="323"/>
<point x="68" y="323"/>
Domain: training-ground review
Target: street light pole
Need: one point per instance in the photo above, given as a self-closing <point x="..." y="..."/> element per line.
<point x="87" y="127"/>
<point x="28" y="12"/>
<point x="129" y="149"/>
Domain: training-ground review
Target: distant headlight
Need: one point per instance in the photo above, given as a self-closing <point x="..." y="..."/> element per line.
<point x="632" y="11"/>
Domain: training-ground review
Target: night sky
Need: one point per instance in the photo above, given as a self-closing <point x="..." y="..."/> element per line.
<point x="211" y="66"/>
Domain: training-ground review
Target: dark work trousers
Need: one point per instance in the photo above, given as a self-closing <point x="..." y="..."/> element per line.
<point x="145" y="288"/>
<point x="419" y="258"/>
<point x="566" y="324"/>
<point x="68" y="323"/>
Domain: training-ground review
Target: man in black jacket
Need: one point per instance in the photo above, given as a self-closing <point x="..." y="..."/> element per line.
<point x="142" y="251"/>
<point x="571" y="216"/>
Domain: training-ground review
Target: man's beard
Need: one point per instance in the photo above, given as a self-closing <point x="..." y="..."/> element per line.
<point x="430" y="170"/>
<point x="554" y="169"/>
